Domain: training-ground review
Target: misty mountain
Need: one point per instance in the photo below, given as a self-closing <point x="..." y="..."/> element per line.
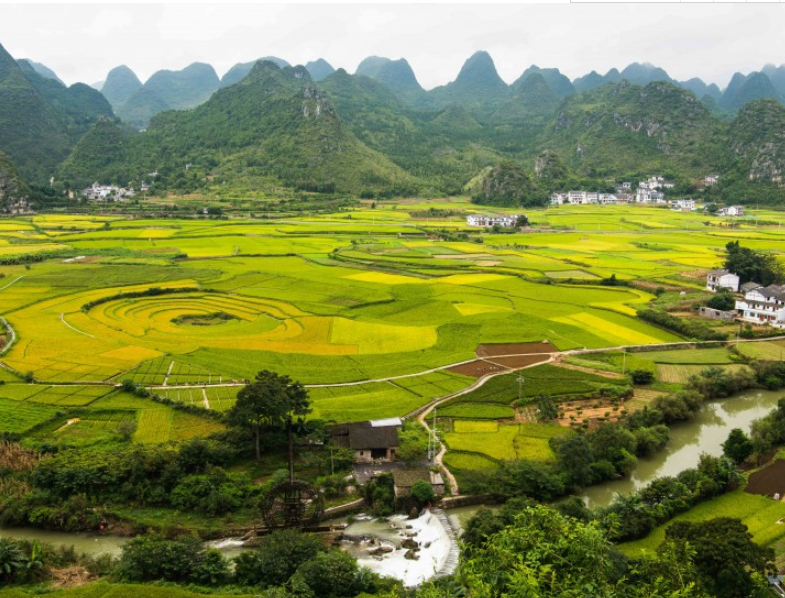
<point x="41" y="69"/>
<point x="558" y="83"/>
<point x="170" y="90"/>
<point x="121" y="83"/>
<point x="747" y="88"/>
<point x="241" y="70"/>
<point x="319" y="69"/>
<point x="396" y="75"/>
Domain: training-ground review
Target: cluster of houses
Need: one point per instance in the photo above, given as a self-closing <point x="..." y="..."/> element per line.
<point x="98" y="192"/>
<point x="646" y="191"/>
<point x="760" y="305"/>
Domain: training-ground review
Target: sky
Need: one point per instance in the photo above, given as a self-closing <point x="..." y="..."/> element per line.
<point x="82" y="42"/>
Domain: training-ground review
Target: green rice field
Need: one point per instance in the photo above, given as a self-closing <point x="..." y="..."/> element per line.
<point x="366" y="297"/>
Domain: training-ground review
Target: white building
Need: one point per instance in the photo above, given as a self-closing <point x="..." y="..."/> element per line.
<point x="710" y="179"/>
<point x="98" y="192"/>
<point x="763" y="305"/>
<point x="722" y="279"/>
<point x="649" y="196"/>
<point x="684" y="205"/>
<point x="483" y="220"/>
<point x="731" y="211"/>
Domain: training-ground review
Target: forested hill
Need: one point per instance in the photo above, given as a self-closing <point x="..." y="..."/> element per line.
<point x="273" y="124"/>
<point x="41" y="119"/>
<point x="350" y="133"/>
<point x="378" y="133"/>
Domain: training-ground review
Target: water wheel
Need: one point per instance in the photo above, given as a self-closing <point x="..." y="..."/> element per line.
<point x="293" y="503"/>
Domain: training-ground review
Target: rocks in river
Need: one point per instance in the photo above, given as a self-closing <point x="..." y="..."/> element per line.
<point x="411" y="555"/>
<point x="410" y="544"/>
<point x="380" y="550"/>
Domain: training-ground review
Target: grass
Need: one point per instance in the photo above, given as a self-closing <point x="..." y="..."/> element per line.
<point x="460" y="462"/>
<point x="759" y="513"/>
<point x="503" y="442"/>
<point x="19" y="418"/>
<point x="476" y="411"/>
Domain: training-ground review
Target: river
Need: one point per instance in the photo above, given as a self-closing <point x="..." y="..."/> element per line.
<point x="705" y="433"/>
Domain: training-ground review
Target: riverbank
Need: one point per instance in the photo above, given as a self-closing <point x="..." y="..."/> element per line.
<point x="704" y="433"/>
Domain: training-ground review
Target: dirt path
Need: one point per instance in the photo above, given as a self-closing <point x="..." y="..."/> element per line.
<point x="422" y="413"/>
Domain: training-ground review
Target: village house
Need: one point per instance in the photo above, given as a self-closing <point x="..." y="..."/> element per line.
<point x="371" y="441"/>
<point x="404" y="479"/>
<point x="710" y="179"/>
<point x="731" y="211"/>
<point x="583" y="197"/>
<point x="685" y="205"/>
<point x="483" y="220"/>
<point x="722" y="279"/>
<point x="648" y="196"/>
<point x="763" y="305"/>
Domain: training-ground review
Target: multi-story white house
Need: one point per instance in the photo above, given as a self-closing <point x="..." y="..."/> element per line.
<point x="722" y="279"/>
<point x="731" y="211"/>
<point x="483" y="220"/>
<point x="649" y="196"/>
<point x="684" y="205"/>
<point x="763" y="305"/>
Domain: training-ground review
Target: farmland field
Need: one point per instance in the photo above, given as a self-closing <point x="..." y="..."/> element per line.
<point x="367" y="298"/>
<point x="504" y="442"/>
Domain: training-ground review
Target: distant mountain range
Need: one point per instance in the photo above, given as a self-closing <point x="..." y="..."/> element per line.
<point x="267" y="124"/>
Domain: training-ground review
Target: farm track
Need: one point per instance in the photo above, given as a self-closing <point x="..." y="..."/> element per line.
<point x="552" y="355"/>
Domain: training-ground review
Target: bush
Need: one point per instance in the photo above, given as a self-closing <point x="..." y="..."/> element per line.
<point x="278" y="557"/>
<point x="333" y="573"/>
<point x="642" y="376"/>
<point x="152" y="558"/>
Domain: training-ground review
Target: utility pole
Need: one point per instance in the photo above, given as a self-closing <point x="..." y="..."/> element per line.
<point x="520" y="379"/>
<point x="624" y="363"/>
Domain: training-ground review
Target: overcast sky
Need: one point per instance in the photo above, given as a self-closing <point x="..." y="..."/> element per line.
<point x="82" y="42"/>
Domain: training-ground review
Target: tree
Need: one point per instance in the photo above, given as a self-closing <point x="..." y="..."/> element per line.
<point x="269" y="401"/>
<point x="738" y="446"/>
<point x="277" y="558"/>
<point x="423" y="492"/>
<point x="642" y="376"/>
<point x="726" y="557"/>
<point x="333" y="573"/>
<point x="723" y="300"/>
<point x="521" y="221"/>
<point x="546" y="409"/>
<point x="751" y="265"/>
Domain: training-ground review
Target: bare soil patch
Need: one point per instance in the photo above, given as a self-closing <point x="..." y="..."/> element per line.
<point x="477" y="368"/>
<point x="515" y="349"/>
<point x="768" y="481"/>
<point x="71" y="577"/>
<point x="518" y="361"/>
<point x="573" y="413"/>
